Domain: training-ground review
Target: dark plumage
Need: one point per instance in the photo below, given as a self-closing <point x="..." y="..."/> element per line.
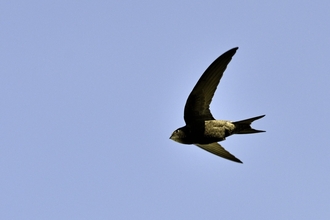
<point x="201" y="127"/>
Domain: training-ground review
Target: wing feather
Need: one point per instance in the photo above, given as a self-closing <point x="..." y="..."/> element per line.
<point x="197" y="107"/>
<point x="218" y="150"/>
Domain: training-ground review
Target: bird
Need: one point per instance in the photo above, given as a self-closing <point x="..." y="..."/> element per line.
<point x="201" y="128"/>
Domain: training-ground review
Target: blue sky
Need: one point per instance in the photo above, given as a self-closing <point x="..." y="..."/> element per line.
<point x="92" y="90"/>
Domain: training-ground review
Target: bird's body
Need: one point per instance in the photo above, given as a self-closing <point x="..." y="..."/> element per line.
<point x="201" y="128"/>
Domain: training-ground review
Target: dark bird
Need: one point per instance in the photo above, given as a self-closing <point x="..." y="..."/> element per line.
<point x="201" y="127"/>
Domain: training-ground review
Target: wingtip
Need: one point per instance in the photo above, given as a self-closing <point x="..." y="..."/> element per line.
<point x="238" y="161"/>
<point x="233" y="50"/>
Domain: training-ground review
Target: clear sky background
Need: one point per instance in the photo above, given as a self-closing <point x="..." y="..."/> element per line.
<point x="92" y="90"/>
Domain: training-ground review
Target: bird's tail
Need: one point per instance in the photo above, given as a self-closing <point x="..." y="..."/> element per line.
<point x="244" y="126"/>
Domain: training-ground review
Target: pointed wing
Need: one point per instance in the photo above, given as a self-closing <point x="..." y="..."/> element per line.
<point x="198" y="103"/>
<point x="218" y="150"/>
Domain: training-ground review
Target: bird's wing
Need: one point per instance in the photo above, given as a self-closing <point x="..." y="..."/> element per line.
<point x="218" y="150"/>
<point x="198" y="103"/>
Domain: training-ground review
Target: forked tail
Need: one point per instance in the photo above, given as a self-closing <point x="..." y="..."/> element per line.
<point x="244" y="126"/>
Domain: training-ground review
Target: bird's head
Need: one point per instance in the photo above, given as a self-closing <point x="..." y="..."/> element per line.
<point x="179" y="135"/>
